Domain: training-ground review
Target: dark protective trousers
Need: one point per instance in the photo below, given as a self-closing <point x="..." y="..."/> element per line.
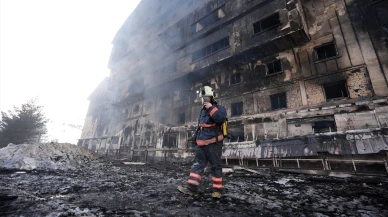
<point x="203" y="155"/>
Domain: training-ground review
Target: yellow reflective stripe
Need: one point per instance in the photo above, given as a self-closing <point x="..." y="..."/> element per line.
<point x="195" y="175"/>
<point x="206" y="125"/>
<point x="193" y="182"/>
<point x="213" y="111"/>
<point x="209" y="141"/>
<point x="215" y="179"/>
<point x="217" y="185"/>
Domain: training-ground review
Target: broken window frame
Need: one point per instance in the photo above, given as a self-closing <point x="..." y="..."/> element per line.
<point x="164" y="100"/>
<point x="260" y="23"/>
<point x="166" y="70"/>
<point x="234" y="81"/>
<point x="317" y="60"/>
<point x="273" y="66"/>
<point x="236" y="133"/>
<point x="136" y="108"/>
<point x="329" y="87"/>
<point x="326" y="126"/>
<point x="237" y="109"/>
<point x="208" y="20"/>
<point x="280" y="104"/>
<point x="181" y="118"/>
<point x="163" y="119"/>
<point x="148" y="105"/>
<point x="210" y="49"/>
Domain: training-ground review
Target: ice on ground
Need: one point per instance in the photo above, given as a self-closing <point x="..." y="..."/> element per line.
<point x="284" y="181"/>
<point x="44" y="157"/>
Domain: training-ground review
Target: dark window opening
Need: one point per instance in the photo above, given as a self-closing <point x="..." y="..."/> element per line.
<point x="274" y="67"/>
<point x="86" y="145"/>
<point x="183" y="95"/>
<point x="210" y="49"/>
<point x="181" y="118"/>
<point x="324" y="126"/>
<point x="165" y="100"/>
<point x="136" y="108"/>
<point x="236" y="133"/>
<point x="148" y="105"/>
<point x="235" y="78"/>
<point x="163" y="120"/>
<point x="278" y="101"/>
<point x="170" y="68"/>
<point x="170" y="140"/>
<point x="237" y="108"/>
<point x="336" y="90"/>
<point x="114" y="140"/>
<point x="209" y="19"/>
<point x="266" y="23"/>
<point x="326" y="51"/>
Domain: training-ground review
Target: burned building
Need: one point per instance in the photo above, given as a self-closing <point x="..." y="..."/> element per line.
<point x="297" y="77"/>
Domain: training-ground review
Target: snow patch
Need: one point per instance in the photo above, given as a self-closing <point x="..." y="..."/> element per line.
<point x="284" y="181"/>
<point x="44" y="157"/>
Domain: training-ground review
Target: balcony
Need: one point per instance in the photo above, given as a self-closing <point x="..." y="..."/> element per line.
<point x="244" y="20"/>
<point x="132" y="93"/>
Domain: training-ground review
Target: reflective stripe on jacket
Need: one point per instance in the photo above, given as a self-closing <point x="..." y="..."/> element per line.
<point x="212" y="117"/>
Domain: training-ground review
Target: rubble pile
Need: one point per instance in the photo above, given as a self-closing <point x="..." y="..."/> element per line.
<point x="150" y="190"/>
<point x="45" y="157"/>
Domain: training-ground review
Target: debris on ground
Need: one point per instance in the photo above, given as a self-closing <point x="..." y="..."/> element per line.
<point x="151" y="190"/>
<point x="45" y="157"/>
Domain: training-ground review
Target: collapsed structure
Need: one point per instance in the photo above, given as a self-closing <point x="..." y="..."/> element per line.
<point x="297" y="77"/>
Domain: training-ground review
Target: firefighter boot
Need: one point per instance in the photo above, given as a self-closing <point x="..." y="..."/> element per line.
<point x="186" y="190"/>
<point x="216" y="195"/>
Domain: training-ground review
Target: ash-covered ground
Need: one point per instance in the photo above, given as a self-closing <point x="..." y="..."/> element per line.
<point x="150" y="190"/>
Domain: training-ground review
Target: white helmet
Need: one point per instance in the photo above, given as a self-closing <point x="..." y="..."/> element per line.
<point x="206" y="91"/>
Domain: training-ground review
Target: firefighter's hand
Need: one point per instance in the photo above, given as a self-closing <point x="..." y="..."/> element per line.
<point x="207" y="105"/>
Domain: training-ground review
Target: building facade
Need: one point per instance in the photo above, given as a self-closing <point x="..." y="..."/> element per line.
<point x="284" y="70"/>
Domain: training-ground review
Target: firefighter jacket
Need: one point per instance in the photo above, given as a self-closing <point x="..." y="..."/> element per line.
<point x="209" y="123"/>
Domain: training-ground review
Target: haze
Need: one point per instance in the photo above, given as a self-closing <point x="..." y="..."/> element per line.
<point x="57" y="50"/>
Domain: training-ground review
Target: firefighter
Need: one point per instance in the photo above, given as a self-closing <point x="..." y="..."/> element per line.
<point x="209" y="140"/>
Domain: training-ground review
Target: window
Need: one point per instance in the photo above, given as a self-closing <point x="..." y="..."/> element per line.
<point x="170" y="68"/>
<point x="278" y="101"/>
<point x="115" y="140"/>
<point x="183" y="95"/>
<point x="336" y="90"/>
<point x="149" y="105"/>
<point x="274" y="67"/>
<point x="235" y="78"/>
<point x="136" y="108"/>
<point x="209" y="19"/>
<point x="210" y="49"/>
<point x="325" y="51"/>
<point x="181" y="118"/>
<point x="237" y="108"/>
<point x="324" y="126"/>
<point x="170" y="140"/>
<point x="164" y="100"/>
<point x="266" y="23"/>
<point x="236" y="133"/>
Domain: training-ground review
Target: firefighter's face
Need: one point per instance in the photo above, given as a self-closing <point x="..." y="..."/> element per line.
<point x="207" y="99"/>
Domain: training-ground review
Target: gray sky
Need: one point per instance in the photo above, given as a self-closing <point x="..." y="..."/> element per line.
<point x="57" y="50"/>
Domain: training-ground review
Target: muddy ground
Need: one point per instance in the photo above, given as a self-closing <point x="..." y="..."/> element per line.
<point x="150" y="190"/>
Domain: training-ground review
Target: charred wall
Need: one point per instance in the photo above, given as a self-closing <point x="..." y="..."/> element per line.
<point x="281" y="68"/>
